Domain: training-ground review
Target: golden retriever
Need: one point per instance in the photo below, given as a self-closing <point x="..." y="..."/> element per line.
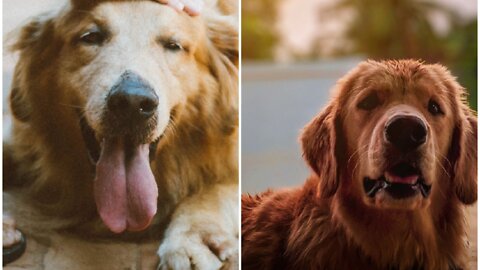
<point x="125" y="116"/>
<point x="394" y="160"/>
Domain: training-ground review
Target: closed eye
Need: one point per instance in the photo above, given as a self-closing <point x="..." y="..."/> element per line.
<point x="370" y="102"/>
<point x="173" y="45"/>
<point x="93" y="36"/>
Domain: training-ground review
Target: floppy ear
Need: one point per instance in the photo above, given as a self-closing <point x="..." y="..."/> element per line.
<point x="222" y="28"/>
<point x="224" y="36"/>
<point x="222" y="54"/>
<point x="463" y="157"/>
<point x="320" y="148"/>
<point x="19" y="105"/>
<point x="27" y="40"/>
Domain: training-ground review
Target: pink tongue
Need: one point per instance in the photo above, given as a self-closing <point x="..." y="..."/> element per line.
<point x="125" y="191"/>
<point x="411" y="179"/>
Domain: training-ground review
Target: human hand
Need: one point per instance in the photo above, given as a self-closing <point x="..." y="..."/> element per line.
<point x="191" y="7"/>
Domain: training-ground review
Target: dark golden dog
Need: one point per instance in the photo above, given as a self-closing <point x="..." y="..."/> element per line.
<point x="394" y="159"/>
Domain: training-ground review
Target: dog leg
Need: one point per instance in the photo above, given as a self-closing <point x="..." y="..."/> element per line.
<point x="203" y="233"/>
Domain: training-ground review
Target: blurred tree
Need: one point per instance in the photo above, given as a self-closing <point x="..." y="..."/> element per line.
<point x="377" y="29"/>
<point x="462" y="43"/>
<point x="392" y="29"/>
<point x="259" y="36"/>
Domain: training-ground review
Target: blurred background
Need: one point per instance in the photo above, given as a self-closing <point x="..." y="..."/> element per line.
<point x="293" y="52"/>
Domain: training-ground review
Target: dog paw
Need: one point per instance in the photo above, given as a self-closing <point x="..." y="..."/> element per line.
<point x="11" y="235"/>
<point x="200" y="251"/>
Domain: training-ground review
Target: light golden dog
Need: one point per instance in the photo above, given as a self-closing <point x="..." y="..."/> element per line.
<point x="126" y="112"/>
<point x="394" y="159"/>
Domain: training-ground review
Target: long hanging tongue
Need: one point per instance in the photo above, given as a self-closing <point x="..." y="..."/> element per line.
<point x="125" y="188"/>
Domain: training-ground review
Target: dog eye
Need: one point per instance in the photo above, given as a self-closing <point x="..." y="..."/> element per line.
<point x="370" y="102"/>
<point x="93" y="37"/>
<point x="172" y="46"/>
<point x="434" y="108"/>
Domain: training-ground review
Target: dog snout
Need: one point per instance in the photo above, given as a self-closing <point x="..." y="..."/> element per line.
<point x="132" y="98"/>
<point x="406" y="132"/>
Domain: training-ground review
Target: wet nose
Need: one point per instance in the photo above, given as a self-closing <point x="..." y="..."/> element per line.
<point x="132" y="97"/>
<point x="406" y="132"/>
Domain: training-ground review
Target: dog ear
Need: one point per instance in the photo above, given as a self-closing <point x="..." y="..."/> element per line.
<point x="463" y="157"/>
<point x="222" y="29"/>
<point x="30" y="42"/>
<point x="222" y="59"/>
<point x="32" y="33"/>
<point x="19" y="105"/>
<point x="320" y="149"/>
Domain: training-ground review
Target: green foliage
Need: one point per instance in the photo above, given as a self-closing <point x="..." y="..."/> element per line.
<point x="384" y="29"/>
<point x="378" y="29"/>
<point x="259" y="35"/>
<point x="258" y="38"/>
<point x="462" y="43"/>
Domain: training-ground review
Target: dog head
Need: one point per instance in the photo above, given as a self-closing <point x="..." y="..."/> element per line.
<point x="126" y="69"/>
<point x="400" y="130"/>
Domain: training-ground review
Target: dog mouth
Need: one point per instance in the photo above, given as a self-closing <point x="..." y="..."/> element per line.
<point x="125" y="189"/>
<point x="93" y="145"/>
<point x="400" y="181"/>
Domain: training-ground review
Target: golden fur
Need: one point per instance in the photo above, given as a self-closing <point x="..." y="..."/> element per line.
<point x="330" y="223"/>
<point x="55" y="77"/>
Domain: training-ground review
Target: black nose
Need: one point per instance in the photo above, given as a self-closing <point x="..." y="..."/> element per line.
<point x="406" y="132"/>
<point x="132" y="97"/>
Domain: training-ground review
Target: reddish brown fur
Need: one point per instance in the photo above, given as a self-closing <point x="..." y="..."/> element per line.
<point x="326" y="224"/>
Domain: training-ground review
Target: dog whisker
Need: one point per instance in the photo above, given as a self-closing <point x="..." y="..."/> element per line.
<point x="446" y="159"/>
<point x="83" y="12"/>
<point x="441" y="166"/>
<point x="72" y="106"/>
<point x="441" y="192"/>
<point x="172" y="129"/>
<point x="356" y="151"/>
<point x="357" y="163"/>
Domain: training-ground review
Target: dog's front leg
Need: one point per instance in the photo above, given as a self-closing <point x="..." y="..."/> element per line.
<point x="203" y="232"/>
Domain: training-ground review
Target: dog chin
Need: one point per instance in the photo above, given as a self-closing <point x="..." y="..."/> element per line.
<point x="383" y="200"/>
<point x="402" y="186"/>
<point x="393" y="192"/>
